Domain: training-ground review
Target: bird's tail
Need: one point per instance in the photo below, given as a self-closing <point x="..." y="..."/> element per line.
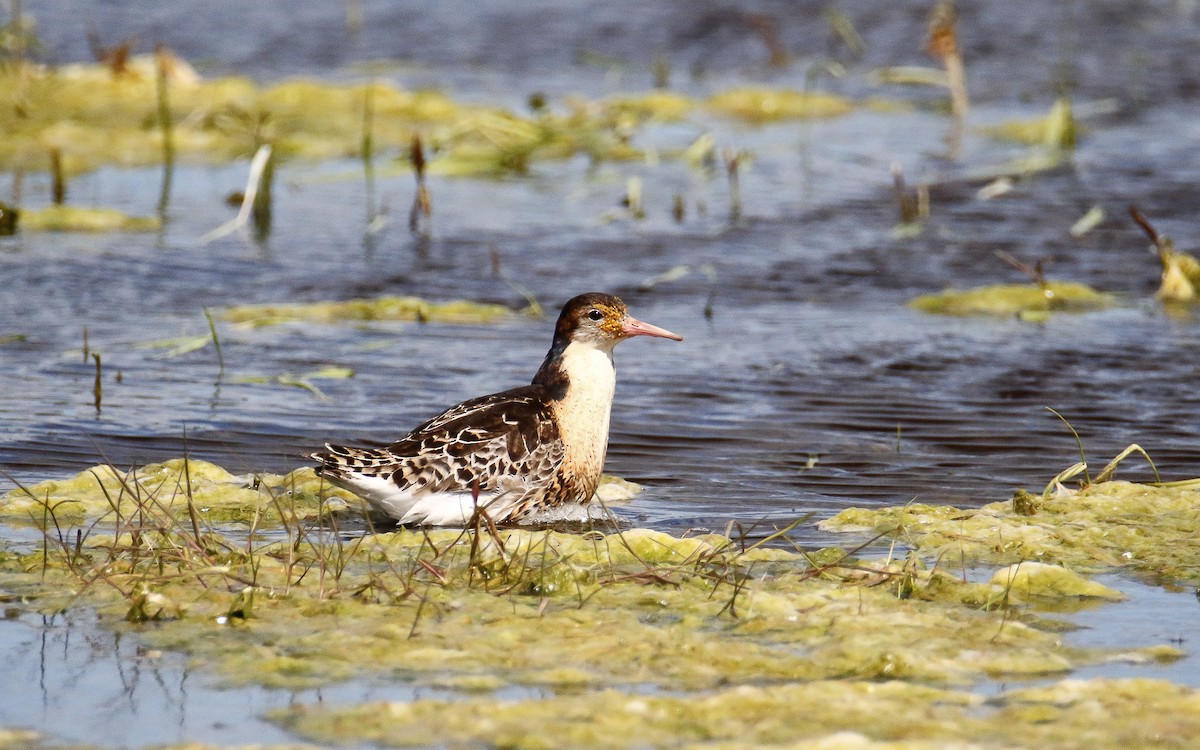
<point x="340" y="460"/>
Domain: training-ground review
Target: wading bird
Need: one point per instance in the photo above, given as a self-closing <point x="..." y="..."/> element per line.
<point x="512" y="454"/>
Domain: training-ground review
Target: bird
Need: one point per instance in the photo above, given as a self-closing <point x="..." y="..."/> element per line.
<point x="510" y="455"/>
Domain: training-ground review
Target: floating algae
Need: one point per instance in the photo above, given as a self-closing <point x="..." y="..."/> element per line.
<point x="755" y="644"/>
<point x="1057" y="129"/>
<point x="1180" y="271"/>
<point x="1030" y="301"/>
<point x="170" y="488"/>
<point x="1054" y="581"/>
<point x="842" y="715"/>
<point x="92" y="115"/>
<point x="97" y="117"/>
<point x="378" y="308"/>
<point x="1180" y="276"/>
<point x="1147" y="529"/>
<point x="550" y="609"/>
<point x="757" y="105"/>
<point x="303" y="380"/>
<point x="77" y="219"/>
<point x="662" y="106"/>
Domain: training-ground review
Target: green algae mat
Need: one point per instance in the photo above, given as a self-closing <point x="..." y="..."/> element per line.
<point x="1028" y="301"/>
<point x="623" y="637"/>
<point x="90" y="115"/>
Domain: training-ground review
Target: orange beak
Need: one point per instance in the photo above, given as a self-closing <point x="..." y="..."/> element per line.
<point x="634" y="327"/>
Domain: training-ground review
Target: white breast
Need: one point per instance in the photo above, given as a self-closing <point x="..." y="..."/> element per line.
<point x="583" y="414"/>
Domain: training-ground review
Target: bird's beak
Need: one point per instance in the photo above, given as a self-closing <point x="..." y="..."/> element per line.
<point x="634" y="327"/>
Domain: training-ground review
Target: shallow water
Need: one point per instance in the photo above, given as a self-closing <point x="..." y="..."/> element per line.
<point x="811" y="387"/>
<point x="74" y="667"/>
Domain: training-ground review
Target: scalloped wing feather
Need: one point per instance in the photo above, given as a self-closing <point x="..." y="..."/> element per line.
<point x="506" y="444"/>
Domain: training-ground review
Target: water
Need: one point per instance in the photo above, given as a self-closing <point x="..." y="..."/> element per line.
<point x="810" y="388"/>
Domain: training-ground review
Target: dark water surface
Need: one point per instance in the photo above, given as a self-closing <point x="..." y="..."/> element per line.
<point x="811" y="387"/>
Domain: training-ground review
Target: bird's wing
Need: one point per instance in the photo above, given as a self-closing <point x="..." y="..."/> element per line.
<point x="488" y="441"/>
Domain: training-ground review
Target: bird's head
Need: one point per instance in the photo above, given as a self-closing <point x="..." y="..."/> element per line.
<point x="603" y="321"/>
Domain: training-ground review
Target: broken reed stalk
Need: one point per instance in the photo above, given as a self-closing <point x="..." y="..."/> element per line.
<point x="914" y="207"/>
<point x="1036" y="272"/>
<point x="1160" y="241"/>
<point x="421" y="207"/>
<point x="633" y="198"/>
<point x="943" y="45"/>
<point x="367" y="149"/>
<point x="97" y="386"/>
<point x="733" y="164"/>
<point x="166" y="127"/>
<point x="260" y="170"/>
<point x="16" y="33"/>
<point x="766" y="27"/>
<point x="260" y="206"/>
<point x="58" y="179"/>
<point x="212" y="328"/>
<point x="662" y="72"/>
<point x="191" y="502"/>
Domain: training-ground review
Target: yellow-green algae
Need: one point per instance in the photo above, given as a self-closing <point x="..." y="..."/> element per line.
<point x="759" y="105"/>
<point x="94" y="116"/>
<point x="1110" y="525"/>
<point x="378" y="308"/>
<point x="23" y="738"/>
<point x="1180" y="275"/>
<point x="216" y="495"/>
<point x="1028" y="300"/>
<point x="91" y="115"/>
<point x="562" y="610"/>
<point x="1057" y="129"/>
<point x="79" y="219"/>
<point x="1068" y="715"/>
<point x="169" y="488"/>
<point x="1045" y="580"/>
<point x="756" y="644"/>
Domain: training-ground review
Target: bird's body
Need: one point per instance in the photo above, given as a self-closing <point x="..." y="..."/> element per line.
<point x="510" y="454"/>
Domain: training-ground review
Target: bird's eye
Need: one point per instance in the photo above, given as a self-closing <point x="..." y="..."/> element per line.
<point x="595" y="314"/>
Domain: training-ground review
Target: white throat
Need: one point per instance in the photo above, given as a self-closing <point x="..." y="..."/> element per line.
<point x="583" y="413"/>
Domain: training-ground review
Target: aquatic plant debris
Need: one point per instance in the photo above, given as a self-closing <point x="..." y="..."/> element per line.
<point x="759" y="105"/>
<point x="253" y="577"/>
<point x="377" y="308"/>
<point x="169" y="487"/>
<point x="1180" y="270"/>
<point x="1030" y="301"/>
<point x="303" y="380"/>
<point x="79" y="219"/>
<point x="1042" y="579"/>
<point x="826" y="715"/>
<point x="91" y="116"/>
<point x="1140" y="528"/>
<point x="1057" y="129"/>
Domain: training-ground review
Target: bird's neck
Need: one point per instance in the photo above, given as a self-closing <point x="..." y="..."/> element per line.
<point x="576" y="370"/>
<point x="580" y="379"/>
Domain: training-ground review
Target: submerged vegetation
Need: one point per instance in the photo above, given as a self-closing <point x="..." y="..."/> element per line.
<point x="824" y="715"/>
<point x="1180" y="271"/>
<point x="378" y="308"/>
<point x="77" y="219"/>
<point x="91" y="115"/>
<point x="1029" y="301"/>
<point x="1103" y="525"/>
<point x="253" y="576"/>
